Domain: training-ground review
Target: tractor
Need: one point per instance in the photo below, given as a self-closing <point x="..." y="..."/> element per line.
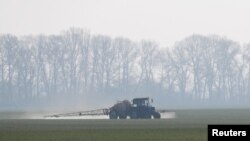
<point x="139" y="109"/>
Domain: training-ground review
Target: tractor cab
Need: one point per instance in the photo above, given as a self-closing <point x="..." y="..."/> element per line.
<point x="141" y="108"/>
<point x="141" y="102"/>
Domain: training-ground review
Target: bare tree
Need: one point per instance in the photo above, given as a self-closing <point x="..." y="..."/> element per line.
<point x="77" y="63"/>
<point x="124" y="66"/>
<point x="102" y="59"/>
<point x="168" y="74"/>
<point x="246" y="69"/>
<point x="147" y="63"/>
<point x="9" y="46"/>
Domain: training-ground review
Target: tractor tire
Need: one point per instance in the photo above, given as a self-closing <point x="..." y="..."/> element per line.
<point x="133" y="115"/>
<point x="157" y="115"/>
<point x="122" y="116"/>
<point x="113" y="115"/>
<point x="148" y="116"/>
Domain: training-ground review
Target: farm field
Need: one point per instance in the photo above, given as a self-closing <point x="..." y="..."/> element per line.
<point x="189" y="125"/>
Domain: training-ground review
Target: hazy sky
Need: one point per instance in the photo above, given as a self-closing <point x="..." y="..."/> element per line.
<point x="164" y="21"/>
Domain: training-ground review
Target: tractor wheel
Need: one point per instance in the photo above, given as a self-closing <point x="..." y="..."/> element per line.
<point x="122" y="116"/>
<point x="133" y="115"/>
<point x="157" y="115"/>
<point x="146" y="116"/>
<point x="113" y="115"/>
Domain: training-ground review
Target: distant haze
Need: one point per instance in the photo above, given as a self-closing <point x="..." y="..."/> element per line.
<point x="164" y="21"/>
<point x="74" y="55"/>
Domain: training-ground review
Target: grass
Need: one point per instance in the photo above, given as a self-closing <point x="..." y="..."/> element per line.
<point x="106" y="135"/>
<point x="190" y="125"/>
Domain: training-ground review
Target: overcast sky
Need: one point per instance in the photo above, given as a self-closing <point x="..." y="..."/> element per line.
<point x="164" y="21"/>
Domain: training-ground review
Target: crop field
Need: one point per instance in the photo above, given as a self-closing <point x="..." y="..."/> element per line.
<point x="189" y="125"/>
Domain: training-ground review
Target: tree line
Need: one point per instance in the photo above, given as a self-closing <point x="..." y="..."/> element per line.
<point x="76" y="62"/>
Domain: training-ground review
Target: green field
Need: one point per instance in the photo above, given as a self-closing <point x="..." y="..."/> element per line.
<point x="189" y="125"/>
